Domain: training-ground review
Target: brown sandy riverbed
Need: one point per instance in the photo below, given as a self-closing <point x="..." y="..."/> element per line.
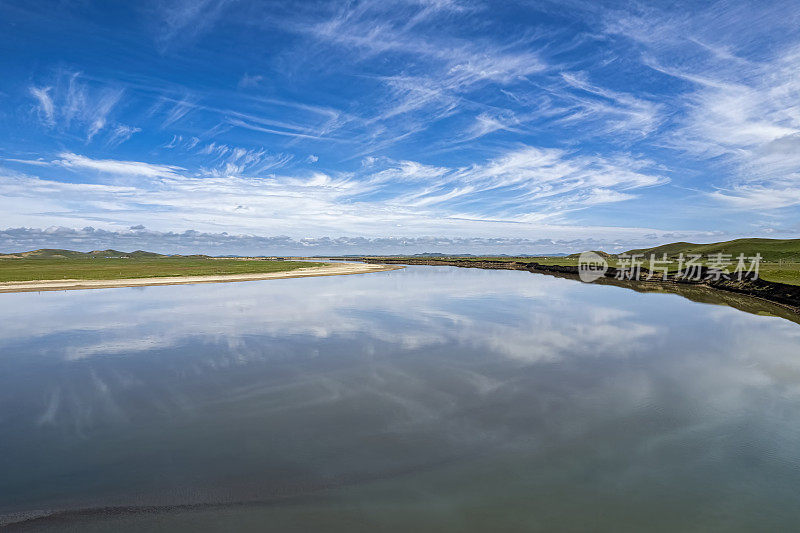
<point x="333" y="269"/>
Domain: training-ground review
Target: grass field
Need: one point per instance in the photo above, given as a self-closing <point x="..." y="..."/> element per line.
<point x="772" y="250"/>
<point x="32" y="269"/>
<point x="781" y="272"/>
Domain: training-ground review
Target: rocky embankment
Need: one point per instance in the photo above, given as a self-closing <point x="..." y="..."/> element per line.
<point x="780" y="293"/>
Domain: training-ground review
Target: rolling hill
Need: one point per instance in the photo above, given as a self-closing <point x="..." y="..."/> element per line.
<point x="53" y="253"/>
<point x="773" y="250"/>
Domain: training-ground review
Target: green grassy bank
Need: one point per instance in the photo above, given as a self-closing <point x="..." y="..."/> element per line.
<point x="780" y="257"/>
<point x="99" y="268"/>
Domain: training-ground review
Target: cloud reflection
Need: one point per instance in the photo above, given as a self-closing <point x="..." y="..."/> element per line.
<point x="402" y="369"/>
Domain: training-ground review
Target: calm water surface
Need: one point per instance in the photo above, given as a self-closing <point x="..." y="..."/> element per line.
<point x="429" y="398"/>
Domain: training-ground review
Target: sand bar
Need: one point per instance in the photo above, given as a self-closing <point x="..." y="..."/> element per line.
<point x="332" y="269"/>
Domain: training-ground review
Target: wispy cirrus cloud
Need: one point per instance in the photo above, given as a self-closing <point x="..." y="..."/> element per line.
<point x="449" y="77"/>
<point x="237" y="161"/>
<point x="176" y="110"/>
<point x="122" y="133"/>
<point x="489" y="122"/>
<point x="274" y="131"/>
<point x="114" y="167"/>
<point x="740" y="112"/>
<point x="71" y="104"/>
<point x="220" y="159"/>
<point x="446" y="69"/>
<point x="182" y="21"/>
<point x="46" y="108"/>
<point x="622" y="113"/>
<point x="527" y="185"/>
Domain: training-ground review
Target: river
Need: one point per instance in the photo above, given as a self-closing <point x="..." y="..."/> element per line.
<point x="427" y="399"/>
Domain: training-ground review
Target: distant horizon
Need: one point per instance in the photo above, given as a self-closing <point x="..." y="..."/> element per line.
<point x="517" y="127"/>
<point x="90" y="238"/>
<point x="309" y="246"/>
<point x="187" y="243"/>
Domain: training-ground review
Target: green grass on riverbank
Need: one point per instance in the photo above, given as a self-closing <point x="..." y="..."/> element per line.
<point x="100" y="268"/>
<point x="781" y="272"/>
<point x="780" y="257"/>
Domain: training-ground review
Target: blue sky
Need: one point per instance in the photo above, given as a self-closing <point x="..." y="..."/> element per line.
<point x="374" y="126"/>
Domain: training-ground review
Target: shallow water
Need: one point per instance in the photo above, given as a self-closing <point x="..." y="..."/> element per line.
<point x="429" y="398"/>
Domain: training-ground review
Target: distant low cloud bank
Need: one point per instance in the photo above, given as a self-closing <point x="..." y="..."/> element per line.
<point x="188" y="242"/>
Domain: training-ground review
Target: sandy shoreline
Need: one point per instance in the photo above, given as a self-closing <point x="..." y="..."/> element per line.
<point x="333" y="269"/>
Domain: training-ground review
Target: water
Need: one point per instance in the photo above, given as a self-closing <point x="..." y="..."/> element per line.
<point x="429" y="398"/>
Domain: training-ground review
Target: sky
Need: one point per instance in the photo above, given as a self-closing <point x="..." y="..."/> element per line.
<point x="455" y="126"/>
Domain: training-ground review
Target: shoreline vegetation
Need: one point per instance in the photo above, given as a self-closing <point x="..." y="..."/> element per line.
<point x="49" y="270"/>
<point x="785" y="295"/>
<point x="778" y="281"/>
<point x="780" y="258"/>
<point x="41" y="265"/>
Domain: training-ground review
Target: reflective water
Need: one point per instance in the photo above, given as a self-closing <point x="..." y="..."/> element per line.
<point x="429" y="398"/>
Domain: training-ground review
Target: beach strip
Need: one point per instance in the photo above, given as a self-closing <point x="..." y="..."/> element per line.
<point x="331" y="269"/>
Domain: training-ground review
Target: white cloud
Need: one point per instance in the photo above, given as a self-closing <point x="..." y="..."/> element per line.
<point x="510" y="195"/>
<point x="45" y="104"/>
<point x="114" y="167"/>
<point x="750" y="117"/>
<point x="445" y="68"/>
<point x="542" y="182"/>
<point x="741" y="114"/>
<point x="249" y="81"/>
<point x="254" y="127"/>
<point x="442" y="75"/>
<point x="371" y="28"/>
<point x="121" y="134"/>
<point x="773" y="195"/>
<point x="237" y="161"/>
<point x="221" y="159"/>
<point x="487" y="122"/>
<point x="101" y="111"/>
<point x="622" y="112"/>
<point x="74" y="104"/>
<point x="179" y="109"/>
<point x="185" y="20"/>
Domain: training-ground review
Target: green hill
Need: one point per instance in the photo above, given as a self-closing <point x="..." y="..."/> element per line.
<point x="117" y="253"/>
<point x="598" y="252"/>
<point x="54" y="253"/>
<point x="45" y="253"/>
<point x="772" y="250"/>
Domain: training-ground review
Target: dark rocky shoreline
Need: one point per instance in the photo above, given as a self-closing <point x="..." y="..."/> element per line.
<point x="783" y="294"/>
